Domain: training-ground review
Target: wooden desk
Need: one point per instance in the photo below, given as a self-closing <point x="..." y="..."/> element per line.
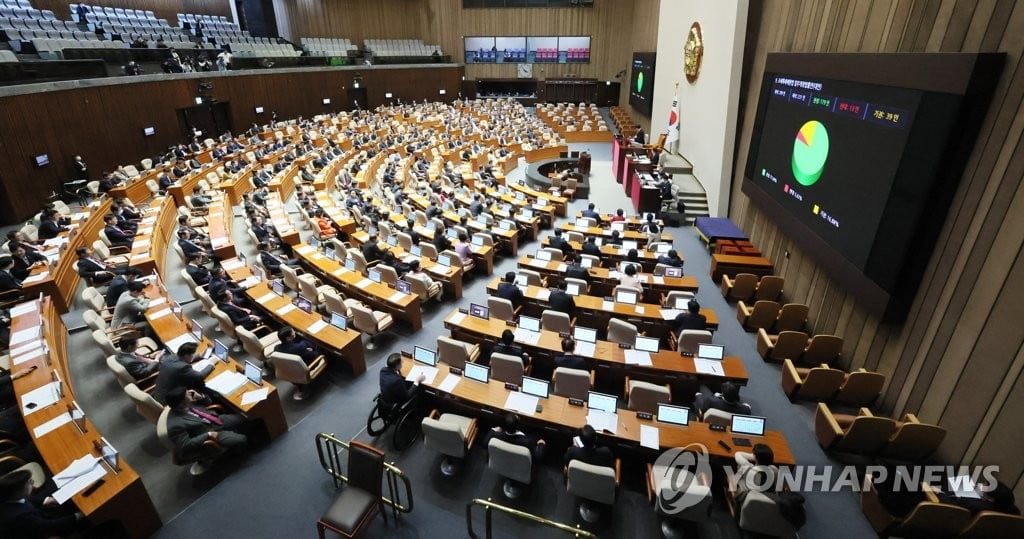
<point x="488" y="400"/>
<point x="628" y="235"/>
<point x="559" y="202"/>
<point x="122" y="496"/>
<point x="279" y="218"/>
<point x="732" y="264"/>
<point x="632" y="223"/>
<point x="449" y="277"/>
<point x="615" y="254"/>
<point x="547" y="152"/>
<point x="218" y="225"/>
<point x="149" y="249"/>
<point x="602" y="280"/>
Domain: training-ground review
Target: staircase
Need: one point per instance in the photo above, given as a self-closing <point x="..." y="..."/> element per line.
<point x="696" y="206"/>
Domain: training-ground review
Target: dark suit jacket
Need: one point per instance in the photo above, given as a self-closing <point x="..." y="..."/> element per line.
<point x="136" y="367"/>
<point x="562" y="302"/>
<point x="510" y="292"/>
<point x="117" y="236"/>
<point x="237" y="315"/>
<point x="48" y="230"/>
<point x="590" y="248"/>
<point x="372" y="252"/>
<point x="556" y="242"/>
<point x="708" y="401"/>
<point x="22" y="265"/>
<point x="577" y="271"/>
<point x="117" y="287"/>
<point x="394" y="388"/>
<point x="572" y="361"/>
<point x="176" y="373"/>
<point x="189" y="247"/>
<point x="9" y="281"/>
<point x="299" y="347"/>
<point x="188" y="432"/>
<point x="199" y="274"/>
<point x="271" y="262"/>
<point x="688" y="320"/>
<point x="29" y="520"/>
<point x="674" y="262"/>
<point x="88" y="268"/>
<point x="598" y="456"/>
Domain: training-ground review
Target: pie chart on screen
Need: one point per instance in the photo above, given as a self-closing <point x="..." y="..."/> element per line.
<point x="810" y="152"/>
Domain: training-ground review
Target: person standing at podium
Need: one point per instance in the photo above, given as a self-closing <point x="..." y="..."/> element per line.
<point x="639" y="138"/>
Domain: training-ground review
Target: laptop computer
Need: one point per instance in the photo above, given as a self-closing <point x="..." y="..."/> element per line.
<point x="479" y="311"/>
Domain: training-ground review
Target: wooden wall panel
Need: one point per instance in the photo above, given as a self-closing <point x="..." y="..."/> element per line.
<point x="957" y="358"/>
<point x="104" y="124"/>
<point x="356" y="19"/>
<point x="163" y="9"/>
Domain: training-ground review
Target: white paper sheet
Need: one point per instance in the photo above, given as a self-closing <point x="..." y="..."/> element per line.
<point x="52" y="425"/>
<point x="266" y="297"/>
<point x="226" y="382"/>
<point x="639" y="309"/>
<point x="254" y="396"/>
<point x="25" y="335"/>
<point x="198" y="366"/>
<point x="33" y="354"/>
<point x="397" y="297"/>
<point x="40" y="398"/>
<point x="708" y="366"/>
<point x="669" y="314"/>
<point x="36" y="278"/>
<point x="607" y="305"/>
<point x="26" y="347"/>
<point x="649" y="437"/>
<point x="304" y="249"/>
<point x="603" y="421"/>
<point x="24" y="308"/>
<point x="428" y="372"/>
<point x="659" y="280"/>
<point x="521" y="402"/>
<point x="457" y="318"/>
<point x="449" y="383"/>
<point x="637" y="357"/>
<point x="364" y="283"/>
<point x="157" y="301"/>
<point x="526" y="336"/>
<point x="585" y="349"/>
<point x="963" y="486"/>
<point x="543" y="295"/>
<point x="140" y="243"/>
<point x="81" y="482"/>
<point x="315" y="327"/>
<point x="232" y="264"/>
<point x="160" y="314"/>
<point x="76" y="469"/>
<point x="285" y="309"/>
<point x="219" y="242"/>
<point x="176" y="342"/>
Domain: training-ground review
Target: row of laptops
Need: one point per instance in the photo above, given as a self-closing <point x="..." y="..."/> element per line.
<point x="219" y="351"/>
<point x="667" y="413"/>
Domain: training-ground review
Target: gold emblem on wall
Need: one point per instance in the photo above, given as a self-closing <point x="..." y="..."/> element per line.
<point x="693" y="53"/>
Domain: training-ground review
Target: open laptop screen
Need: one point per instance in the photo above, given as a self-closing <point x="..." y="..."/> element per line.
<point x="584" y="334"/>
<point x="601" y="401"/>
<point x="748" y="424"/>
<point x="476" y="372"/>
<point x="529" y="323"/>
<point x="423" y="355"/>
<point x="676" y="415"/>
<point x="710" y="351"/>
<point x="535" y="387"/>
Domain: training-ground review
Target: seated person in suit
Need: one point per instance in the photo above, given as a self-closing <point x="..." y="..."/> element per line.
<point x="220" y="282"/>
<point x="591" y="213"/>
<point x="138" y="365"/>
<point x="590" y="247"/>
<point x="400" y="267"/>
<point x="190" y="425"/>
<point x="93" y="269"/>
<point x="691" y="319"/>
<point x="629" y="278"/>
<point x="574" y="269"/>
<point x="131" y="307"/>
<point x="371" y="250"/>
<point x="509" y="432"/>
<point x="193" y="234"/>
<point x="176" y="371"/>
<point x="119" y="285"/>
<point x="755" y="470"/>
<point x="441" y="242"/>
<point x="615" y="239"/>
<point x="199" y="198"/>
<point x="464" y="249"/>
<point x="727" y="401"/>
<point x="48" y="226"/>
<point x="558" y="242"/>
<point x="26" y="514"/>
<point x="561" y="301"/>
<point x="196" y="270"/>
<point x="118" y="237"/>
<point x="165" y="182"/>
<point x="25" y="261"/>
<point x="476" y="207"/>
<point x="395" y="390"/>
<point x="568" y="359"/>
<point x="292" y="344"/>
<point x="16" y="236"/>
<point x="239" y="315"/>
<point x="999" y="498"/>
<point x="107" y="182"/>
<point x="671" y="258"/>
<point x="589" y="451"/>
<point x="618" y="216"/>
<point x="273" y="262"/>
<point x="507" y="345"/>
<point x="507" y="289"/>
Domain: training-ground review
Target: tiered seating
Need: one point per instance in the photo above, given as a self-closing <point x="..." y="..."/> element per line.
<point x="400" y="47"/>
<point x="567" y="117"/>
<point x="325" y="46"/>
<point x="546" y="55"/>
<point x="261" y="46"/>
<point x="211" y="23"/>
<point x="577" y="55"/>
<point x="623" y="121"/>
<point x="21" y="9"/>
<point x="107" y="16"/>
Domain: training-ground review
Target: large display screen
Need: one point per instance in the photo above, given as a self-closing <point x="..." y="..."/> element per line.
<point x="641" y="82"/>
<point x="829" y="153"/>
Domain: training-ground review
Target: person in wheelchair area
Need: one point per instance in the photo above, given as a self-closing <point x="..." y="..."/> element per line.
<point x="395" y="390"/>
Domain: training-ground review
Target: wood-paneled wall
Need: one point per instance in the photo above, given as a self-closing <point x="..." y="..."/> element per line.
<point x="644" y="39"/>
<point x="354" y="19"/>
<point x="163" y="9"/>
<point x="957" y="359"/>
<point x="104" y="124"/>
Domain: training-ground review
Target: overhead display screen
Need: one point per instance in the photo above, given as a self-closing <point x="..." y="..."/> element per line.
<point x="641" y="82"/>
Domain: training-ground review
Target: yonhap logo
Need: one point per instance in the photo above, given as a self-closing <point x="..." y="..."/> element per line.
<point x="682" y="478"/>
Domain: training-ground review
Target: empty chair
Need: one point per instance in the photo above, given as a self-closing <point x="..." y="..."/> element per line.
<point x="256" y="346"/>
<point x="788" y="344"/>
<point x="451" y="435"/>
<point x="769" y="288"/>
<point x="422" y="287"/>
<point x="356" y="504"/>
<point x="714" y="416"/>
<point x="145" y="404"/>
<point x="645" y="396"/>
<point x="508" y="369"/>
<point x="593" y="484"/>
<point x="555" y="254"/>
<point x="291" y="368"/>
<point x="290" y="276"/>
<point x="371" y="322"/>
<point x="861" y="388"/>
<point x="336" y="302"/>
<point x="815" y="384"/>
<point x="864" y="433"/>
<point x="311" y="289"/>
<point x="913" y="441"/>
<point x="387" y="275"/>
<point x="690" y="339"/>
<point x="428" y="250"/>
<point x="792" y="317"/>
<point x="532" y="277"/>
<point x="821" y="349"/>
<point x="572" y="383"/>
<point x="502" y="308"/>
<point x="759" y="513"/>
<point x="929" y="518"/>
<point x="456" y="353"/>
<point x="555" y="321"/>
<point x="622" y="332"/>
<point x="740" y="288"/>
<point x="991" y="524"/>
<point x="761" y="315"/>
<point x="670" y="482"/>
<point x="513" y="462"/>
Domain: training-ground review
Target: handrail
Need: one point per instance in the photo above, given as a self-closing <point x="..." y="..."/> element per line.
<point x="329" y="450"/>
<point x="490" y="506"/>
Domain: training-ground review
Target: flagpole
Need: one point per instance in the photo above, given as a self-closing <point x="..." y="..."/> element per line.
<point x="672" y="145"/>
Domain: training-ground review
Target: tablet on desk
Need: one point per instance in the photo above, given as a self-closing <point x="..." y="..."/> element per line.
<point x="477" y="373"/>
<point x="424" y="355"/>
<point x="675" y="415"/>
<point x="535" y="387"/>
<point x="339" y="321"/>
<point x="601" y="401"/>
<point x="529" y="323"/>
<point x="253" y="373"/>
<point x="747" y="424"/>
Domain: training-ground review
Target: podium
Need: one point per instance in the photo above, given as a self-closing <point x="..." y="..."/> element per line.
<point x="634" y="165"/>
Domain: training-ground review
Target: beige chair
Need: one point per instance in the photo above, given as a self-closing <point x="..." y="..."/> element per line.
<point x="224" y="323"/>
<point x="814" y="384"/>
<point x="533" y="278"/>
<point x="259" y="347"/>
<point x="421" y="287"/>
<point x="690" y="339"/>
<point x="451" y="435"/>
<point x="371" y="322"/>
<point x="290" y="276"/>
<point x="664" y="482"/>
<point x="388" y="275"/>
<point x="740" y="288"/>
<point x="124" y="377"/>
<point x="864" y="433"/>
<point x="769" y="288"/>
<point x="199" y="458"/>
<point x="456" y="353"/>
<point x="428" y="250"/>
<point x="639" y="293"/>
<point x="929" y="518"/>
<point x="913" y="441"/>
<point x="569" y="191"/>
<point x="340" y="248"/>
<point x="205" y="301"/>
<point x="991" y="524"/>
<point x="95" y="300"/>
<point x="821" y="349"/>
<point x="645" y="396"/>
<point x="144" y="403"/>
<point x="103" y="340"/>
<point x="714" y="416"/>
<point x="775" y="348"/>
<point x="101" y="251"/>
<point x="584" y="286"/>
<point x="759" y="514"/>
<point x="311" y="289"/>
<point x="291" y="368"/>
<point x="672" y="297"/>
<point x="502" y="308"/>
<point x="792" y="317"/>
<point x="513" y="462"/>
<point x="761" y="315"/>
<point x="861" y="388"/>
<point x="336" y="302"/>
<point x="558" y="322"/>
<point x="556" y="254"/>
<point x="572" y="383"/>
<point x="622" y="332"/>
<point x="508" y="369"/>
<point x="592" y="484"/>
<point x="404" y="241"/>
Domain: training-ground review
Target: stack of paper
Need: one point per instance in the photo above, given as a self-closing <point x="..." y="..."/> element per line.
<point x="176" y="342"/>
<point x="428" y="372"/>
<point x="708" y="366"/>
<point x="40" y="398"/>
<point x="457" y="318"/>
<point x="649" y="437"/>
<point x="603" y="421"/>
<point x="254" y="396"/>
<point x="37" y="277"/>
<point x="449" y="383"/>
<point x="266" y="297"/>
<point x="249" y="282"/>
<point x="544" y="294"/>
<point x="669" y="314"/>
<point x="526" y="336"/>
<point x="198" y="366"/>
<point x="77" y="477"/>
<point x="232" y="264"/>
<point x="637" y="357"/>
<point x="226" y="382"/>
<point x="315" y="327"/>
<point x="287" y="308"/>
<point x="521" y="402"/>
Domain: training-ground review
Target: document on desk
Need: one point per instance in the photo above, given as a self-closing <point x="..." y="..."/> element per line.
<point x="521" y="402"/>
<point x="254" y="396"/>
<point x="266" y="297"/>
<point x="562" y="267"/>
<point x="287" y="308"/>
<point x="585" y="349"/>
<point x="160" y="314"/>
<point x="397" y="297"/>
<point x="40" y="398"/>
<point x="962" y="486"/>
<point x="176" y="342"/>
<point x="637" y="357"/>
<point x="658" y="279"/>
<point x="304" y="249"/>
<point x="232" y="264"/>
<point x="140" y="256"/>
<point x="364" y="283"/>
<point x="149" y="220"/>
<point x="340" y="271"/>
<point x="318" y="256"/>
<point x="157" y="301"/>
<point x="24" y="308"/>
<point x="639" y="309"/>
<point x="52" y="425"/>
<point x="649" y="437"/>
<point x="708" y="366"/>
<point x="219" y="242"/>
<point x="544" y="294"/>
<point x="457" y="318"/>
<point x="36" y="278"/>
<point x="77" y="477"/>
<point x="428" y="372"/>
<point x="32" y="354"/>
<point x="669" y="314"/>
<point x="249" y="282"/>
<point x="140" y="243"/>
<point x="449" y="383"/>
<point x="527" y="336"/>
<point x="315" y="327"/>
<point x="24" y="335"/>
<point x="198" y="366"/>
<point x="603" y="421"/>
<point x="27" y="347"/>
<point x="226" y="382"/>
